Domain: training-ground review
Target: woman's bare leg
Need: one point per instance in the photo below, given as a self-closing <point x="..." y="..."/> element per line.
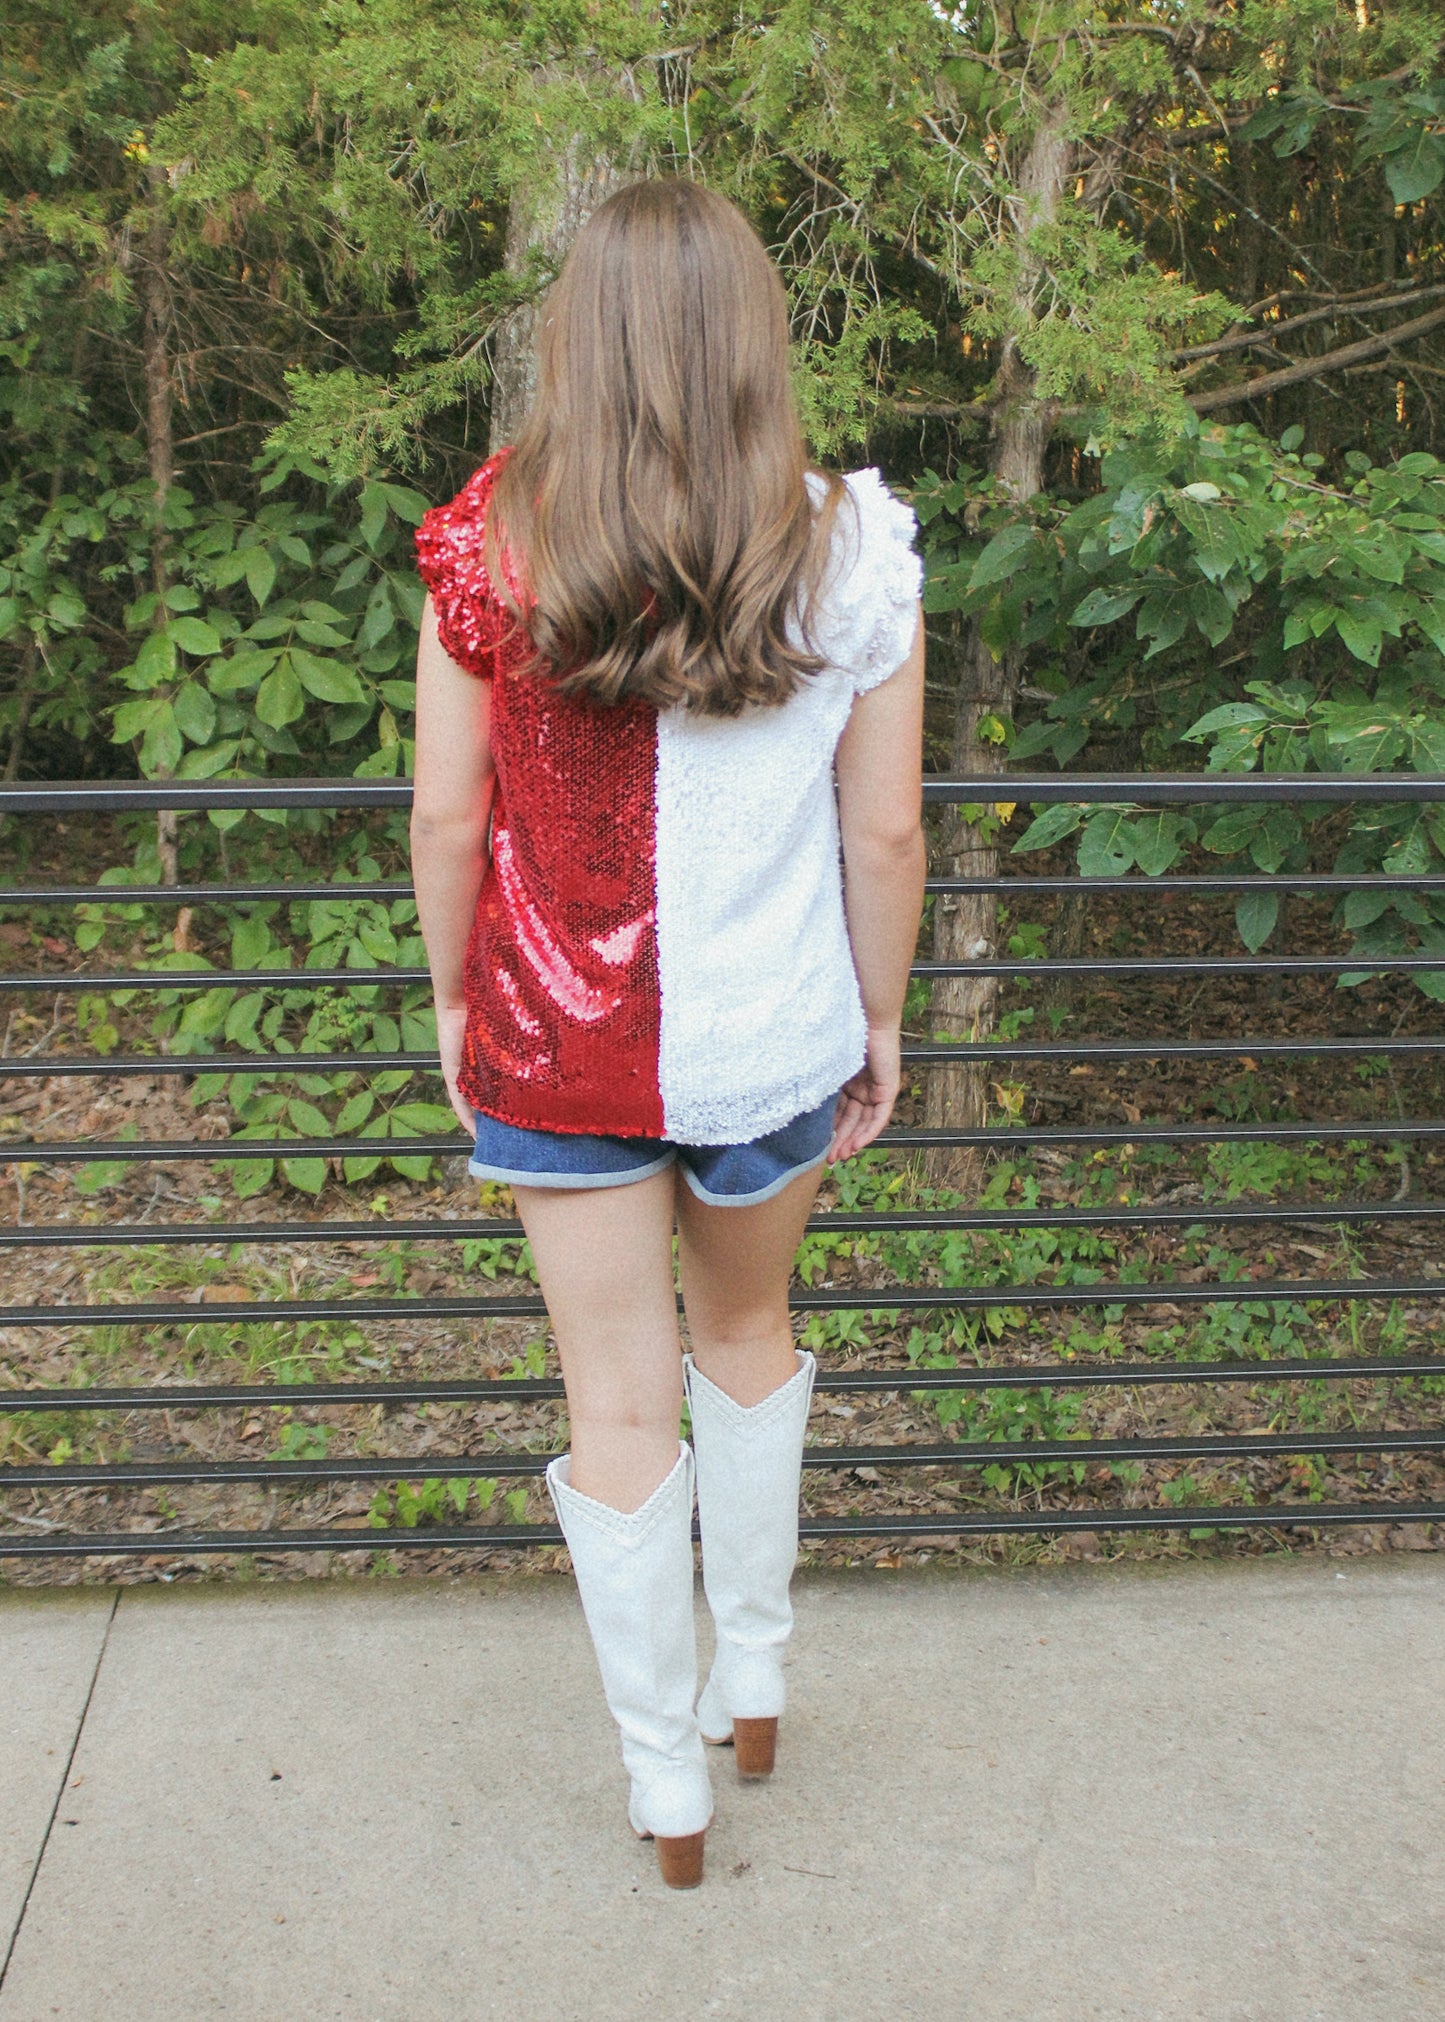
<point x="604" y="1258"/>
<point x="736" y="1266"/>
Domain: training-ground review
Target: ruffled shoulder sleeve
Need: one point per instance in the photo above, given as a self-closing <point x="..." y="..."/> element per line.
<point x="868" y="607"/>
<point x="472" y="621"/>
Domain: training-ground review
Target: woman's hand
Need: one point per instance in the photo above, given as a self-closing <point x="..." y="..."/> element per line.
<point x="866" y="1102"/>
<point x="451" y="1035"/>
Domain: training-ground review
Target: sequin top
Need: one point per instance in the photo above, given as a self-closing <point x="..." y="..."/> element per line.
<point x="660" y="948"/>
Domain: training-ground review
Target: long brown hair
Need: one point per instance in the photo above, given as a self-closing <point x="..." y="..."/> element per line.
<point x="656" y="505"/>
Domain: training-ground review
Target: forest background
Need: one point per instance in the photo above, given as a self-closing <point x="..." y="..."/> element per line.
<point x="1142" y="304"/>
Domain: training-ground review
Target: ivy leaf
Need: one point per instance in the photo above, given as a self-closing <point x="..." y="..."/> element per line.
<point x="156" y="660"/>
<point x="346" y="721"/>
<point x="309" y="1174"/>
<point x="1255" y="916"/>
<point x="327" y="680"/>
<point x="380" y="764"/>
<point x="1415" y="170"/>
<point x="1003" y="556"/>
<point x="1363" y="636"/>
<point x="205" y="761"/>
<point x="195" y="713"/>
<point x="1233" y="832"/>
<point x="132" y="718"/>
<point x="251" y="943"/>
<point x="1102" y="606"/>
<point x="240" y="1027"/>
<point x="1297" y="628"/>
<point x="1275" y="837"/>
<point x="379" y="617"/>
<point x="356" y="571"/>
<point x="242" y="671"/>
<point x="160" y="750"/>
<point x="65" y="610"/>
<point x="1048" y="828"/>
<point x="417" y="1118"/>
<point x="280" y="700"/>
<point x="316" y="632"/>
<point x="1106" y="848"/>
<point x="260" y="573"/>
<point x="1362" y="909"/>
<point x="1157" y="839"/>
<point x="377" y="939"/>
<point x="354" y="1113"/>
<point x="1383" y="559"/>
<point x="194" y="635"/>
<point x="1212" y="612"/>
<point x="373" y="514"/>
<point x="307" y="1118"/>
<point x="1163" y="618"/>
<point x="408" y="505"/>
<point x="1229" y="716"/>
<point x="250" y="1175"/>
<point x="1411" y="853"/>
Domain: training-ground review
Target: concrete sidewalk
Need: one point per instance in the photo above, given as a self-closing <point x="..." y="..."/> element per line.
<point x="1208" y="1793"/>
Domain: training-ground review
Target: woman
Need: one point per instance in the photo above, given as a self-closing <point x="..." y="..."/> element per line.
<point x="665" y="671"/>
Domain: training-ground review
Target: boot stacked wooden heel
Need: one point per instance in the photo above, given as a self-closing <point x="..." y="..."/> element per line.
<point x="679" y="1861"/>
<point x="755" y="1743"/>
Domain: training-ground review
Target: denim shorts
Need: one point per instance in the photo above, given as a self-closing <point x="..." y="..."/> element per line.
<point x="723" y="1175"/>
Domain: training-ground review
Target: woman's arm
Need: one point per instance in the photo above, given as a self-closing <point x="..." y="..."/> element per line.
<point x="880" y="810"/>
<point x="450" y="817"/>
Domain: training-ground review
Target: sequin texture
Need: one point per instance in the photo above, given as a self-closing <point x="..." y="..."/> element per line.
<point x="561" y="967"/>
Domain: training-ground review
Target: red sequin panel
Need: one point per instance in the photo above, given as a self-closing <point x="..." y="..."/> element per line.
<point x="561" y="972"/>
<point x="562" y="983"/>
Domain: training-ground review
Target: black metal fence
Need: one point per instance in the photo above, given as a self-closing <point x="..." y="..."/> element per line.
<point x="1143" y="790"/>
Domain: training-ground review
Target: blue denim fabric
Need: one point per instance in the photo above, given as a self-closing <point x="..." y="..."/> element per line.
<point x="723" y="1175"/>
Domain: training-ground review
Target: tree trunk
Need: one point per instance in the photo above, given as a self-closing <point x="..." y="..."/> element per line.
<point x="964" y="923"/>
<point x="156" y="335"/>
<point x="541" y="224"/>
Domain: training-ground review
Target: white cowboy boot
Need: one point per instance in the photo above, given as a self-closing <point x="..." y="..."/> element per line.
<point x="749" y="1459"/>
<point x="634" y="1575"/>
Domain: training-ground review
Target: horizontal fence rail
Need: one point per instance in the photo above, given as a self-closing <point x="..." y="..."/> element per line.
<point x="1321" y="1215"/>
<point x="1396" y="1290"/>
<point x="876" y="1299"/>
<point x="47" y="1066"/>
<point x="1139" y="967"/>
<point x="178" y="1542"/>
<point x="398" y="888"/>
<point x="945" y="1453"/>
<point x="86" y="1151"/>
<point x="1045" y="789"/>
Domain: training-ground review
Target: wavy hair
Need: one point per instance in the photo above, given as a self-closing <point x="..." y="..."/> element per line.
<point x="656" y="506"/>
